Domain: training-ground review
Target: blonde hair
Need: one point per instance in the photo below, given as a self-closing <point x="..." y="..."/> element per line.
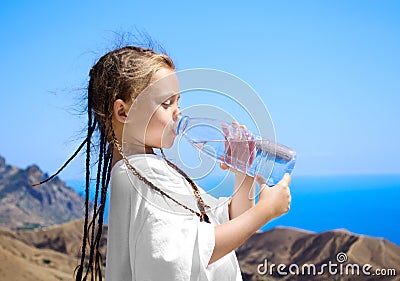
<point x="121" y="74"/>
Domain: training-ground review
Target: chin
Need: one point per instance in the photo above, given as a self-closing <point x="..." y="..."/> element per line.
<point x="168" y="143"/>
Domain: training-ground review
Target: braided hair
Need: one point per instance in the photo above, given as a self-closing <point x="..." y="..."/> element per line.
<point x="120" y="74"/>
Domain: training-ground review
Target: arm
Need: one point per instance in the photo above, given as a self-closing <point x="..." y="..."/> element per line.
<point x="243" y="196"/>
<point x="272" y="203"/>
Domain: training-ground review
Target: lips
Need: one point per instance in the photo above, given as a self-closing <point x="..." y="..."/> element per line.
<point x="175" y="128"/>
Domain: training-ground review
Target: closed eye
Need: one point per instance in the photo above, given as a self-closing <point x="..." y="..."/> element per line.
<point x="167" y="103"/>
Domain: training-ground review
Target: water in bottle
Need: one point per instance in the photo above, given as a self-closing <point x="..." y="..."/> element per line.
<point x="238" y="148"/>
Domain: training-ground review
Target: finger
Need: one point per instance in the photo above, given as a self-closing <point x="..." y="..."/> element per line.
<point x="237" y="132"/>
<point x="260" y="179"/>
<point x="253" y="154"/>
<point x="285" y="180"/>
<point x="249" y="138"/>
<point x="222" y="164"/>
<point x="225" y="129"/>
<point x="287" y="177"/>
<point x="252" y="148"/>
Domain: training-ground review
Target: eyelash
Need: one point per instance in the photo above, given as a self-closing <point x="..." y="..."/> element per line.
<point x="168" y="103"/>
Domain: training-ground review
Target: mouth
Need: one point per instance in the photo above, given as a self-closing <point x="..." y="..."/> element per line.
<point x="175" y="129"/>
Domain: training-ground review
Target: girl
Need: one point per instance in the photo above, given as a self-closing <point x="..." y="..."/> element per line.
<point x="162" y="226"/>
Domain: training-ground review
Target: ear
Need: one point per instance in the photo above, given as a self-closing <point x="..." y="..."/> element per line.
<point x="120" y="110"/>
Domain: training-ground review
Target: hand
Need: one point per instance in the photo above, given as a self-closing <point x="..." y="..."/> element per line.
<point x="238" y="153"/>
<point x="277" y="198"/>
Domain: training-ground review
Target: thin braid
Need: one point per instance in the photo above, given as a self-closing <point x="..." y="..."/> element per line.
<point x="89" y="135"/>
<point x="92" y="125"/>
<point x="201" y="204"/>
<point x="105" y="181"/>
<point x="103" y="170"/>
<point x="93" y="222"/>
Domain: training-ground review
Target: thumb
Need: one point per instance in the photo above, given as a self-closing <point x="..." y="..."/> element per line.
<point x="285" y="180"/>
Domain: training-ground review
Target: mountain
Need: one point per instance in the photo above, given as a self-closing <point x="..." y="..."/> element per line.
<point x="65" y="238"/>
<point x="23" y="262"/>
<point x="293" y="247"/>
<point x="25" y="207"/>
<point x="45" y="254"/>
<point x="52" y="253"/>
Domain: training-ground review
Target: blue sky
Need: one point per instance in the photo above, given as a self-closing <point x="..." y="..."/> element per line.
<point x="328" y="72"/>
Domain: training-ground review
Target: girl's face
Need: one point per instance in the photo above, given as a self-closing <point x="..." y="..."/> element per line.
<point x="152" y="118"/>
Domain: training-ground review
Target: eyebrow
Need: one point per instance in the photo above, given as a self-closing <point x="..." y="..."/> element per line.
<point x="178" y="96"/>
<point x="172" y="95"/>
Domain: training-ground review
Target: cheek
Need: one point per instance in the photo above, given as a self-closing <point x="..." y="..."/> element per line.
<point x="155" y="128"/>
<point x="159" y="120"/>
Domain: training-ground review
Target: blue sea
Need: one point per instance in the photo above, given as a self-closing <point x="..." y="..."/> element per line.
<point x="362" y="204"/>
<point x="367" y="205"/>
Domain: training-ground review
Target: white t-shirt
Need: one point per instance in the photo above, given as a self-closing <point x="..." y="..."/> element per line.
<point x="151" y="238"/>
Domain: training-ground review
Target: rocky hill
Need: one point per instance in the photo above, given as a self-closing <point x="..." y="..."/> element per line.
<point x="295" y="248"/>
<point x="24" y="262"/>
<point x="44" y="254"/>
<point x="51" y="253"/>
<point x="25" y="207"/>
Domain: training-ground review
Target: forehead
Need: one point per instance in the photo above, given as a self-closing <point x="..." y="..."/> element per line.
<point x="164" y="84"/>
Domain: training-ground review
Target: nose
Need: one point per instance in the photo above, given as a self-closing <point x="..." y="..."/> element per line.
<point x="177" y="114"/>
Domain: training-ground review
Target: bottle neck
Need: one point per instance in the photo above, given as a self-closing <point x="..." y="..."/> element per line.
<point x="182" y="121"/>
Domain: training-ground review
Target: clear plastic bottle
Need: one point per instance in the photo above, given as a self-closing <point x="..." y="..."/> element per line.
<point x="238" y="148"/>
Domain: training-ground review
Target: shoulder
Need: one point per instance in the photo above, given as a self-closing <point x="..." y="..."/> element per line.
<point x="147" y="167"/>
<point x="124" y="182"/>
<point x="144" y="164"/>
